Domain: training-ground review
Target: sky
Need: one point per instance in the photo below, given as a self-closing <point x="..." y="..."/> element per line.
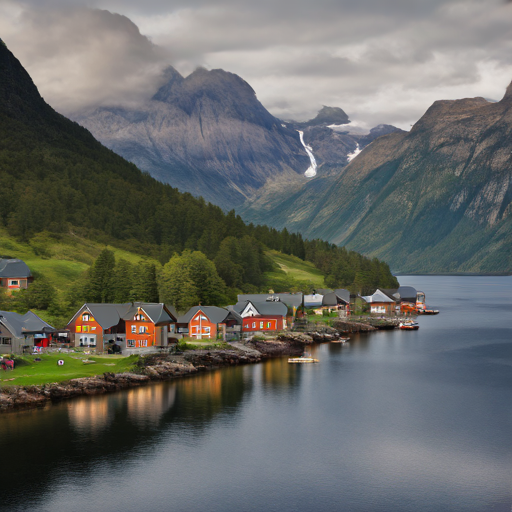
<point x="382" y="61"/>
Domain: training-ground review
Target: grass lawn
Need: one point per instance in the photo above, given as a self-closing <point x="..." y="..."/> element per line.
<point x="29" y="372"/>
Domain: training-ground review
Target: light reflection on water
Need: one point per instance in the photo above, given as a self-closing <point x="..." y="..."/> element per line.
<point x="394" y="421"/>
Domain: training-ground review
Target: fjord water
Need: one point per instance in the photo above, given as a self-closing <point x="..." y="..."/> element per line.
<point x="396" y="421"/>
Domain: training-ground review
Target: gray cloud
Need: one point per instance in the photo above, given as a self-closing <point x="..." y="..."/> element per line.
<point x="380" y="60"/>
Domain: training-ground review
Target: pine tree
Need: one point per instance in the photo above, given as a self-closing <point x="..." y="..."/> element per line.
<point x="145" y="287"/>
<point x="101" y="278"/>
<point x="123" y="281"/>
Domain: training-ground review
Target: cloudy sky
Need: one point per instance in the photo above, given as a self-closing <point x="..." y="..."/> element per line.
<point x="382" y="61"/>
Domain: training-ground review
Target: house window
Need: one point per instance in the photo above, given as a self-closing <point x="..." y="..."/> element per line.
<point x="268" y="325"/>
<point x="254" y="325"/>
<point x="130" y="343"/>
<point x="134" y="329"/>
<point x="86" y="317"/>
<point x="261" y="325"/>
<point x="14" y="282"/>
<point x="5" y="341"/>
<point x="143" y="343"/>
<point x="139" y="318"/>
<point x="85" y="328"/>
<point x="142" y="329"/>
<point x="206" y="330"/>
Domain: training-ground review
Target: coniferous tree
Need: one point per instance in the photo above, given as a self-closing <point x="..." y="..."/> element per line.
<point x="101" y="278"/>
<point x="123" y="281"/>
<point x="145" y="286"/>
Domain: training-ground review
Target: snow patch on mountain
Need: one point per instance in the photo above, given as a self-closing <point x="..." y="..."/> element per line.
<point x="356" y="152"/>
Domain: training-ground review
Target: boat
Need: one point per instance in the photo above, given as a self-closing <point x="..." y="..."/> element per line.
<point x="409" y="325"/>
<point x="340" y="340"/>
<point x="303" y="359"/>
<point x="430" y="312"/>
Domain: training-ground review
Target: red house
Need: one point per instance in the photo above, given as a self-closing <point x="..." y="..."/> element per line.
<point x="14" y="274"/>
<point x="262" y="316"/>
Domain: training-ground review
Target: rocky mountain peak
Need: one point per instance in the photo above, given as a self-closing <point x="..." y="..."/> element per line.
<point x="172" y="78"/>
<point x="508" y="94"/>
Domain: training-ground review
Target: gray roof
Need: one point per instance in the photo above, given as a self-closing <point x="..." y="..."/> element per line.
<point x="215" y="314"/>
<point x="14" y="268"/>
<point x="290" y="299"/>
<point x="378" y="296"/>
<point x="263" y="308"/>
<point x="19" y="324"/>
<point x="109" y="315"/>
<point x="343" y="294"/>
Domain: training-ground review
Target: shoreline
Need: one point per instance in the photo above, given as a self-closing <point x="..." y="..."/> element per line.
<point x="157" y="368"/>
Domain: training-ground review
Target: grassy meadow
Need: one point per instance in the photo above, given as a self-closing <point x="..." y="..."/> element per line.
<point x="28" y="372"/>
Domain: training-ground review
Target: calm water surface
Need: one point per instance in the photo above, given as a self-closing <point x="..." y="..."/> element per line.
<point x="396" y="421"/>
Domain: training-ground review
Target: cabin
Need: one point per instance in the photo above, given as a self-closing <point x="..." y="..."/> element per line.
<point x="19" y="331"/>
<point x="14" y="274"/>
<point x="134" y="327"/>
<point x="262" y="316"/>
<point x="381" y="303"/>
<point x="209" y="322"/>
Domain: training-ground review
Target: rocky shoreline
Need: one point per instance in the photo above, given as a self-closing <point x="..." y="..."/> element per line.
<point x="159" y="367"/>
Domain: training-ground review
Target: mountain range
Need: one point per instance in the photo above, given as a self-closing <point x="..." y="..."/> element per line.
<point x="435" y="199"/>
<point x="209" y="135"/>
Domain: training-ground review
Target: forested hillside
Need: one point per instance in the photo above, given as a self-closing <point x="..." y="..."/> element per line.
<point x="56" y="177"/>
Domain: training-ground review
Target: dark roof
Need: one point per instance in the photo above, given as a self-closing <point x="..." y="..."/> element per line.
<point x="290" y="299"/>
<point x="215" y="314"/>
<point x="323" y="291"/>
<point x="407" y="293"/>
<point x="20" y="324"/>
<point x="343" y="294"/>
<point x="109" y="315"/>
<point x="158" y="313"/>
<point x="263" y="308"/>
<point x="14" y="268"/>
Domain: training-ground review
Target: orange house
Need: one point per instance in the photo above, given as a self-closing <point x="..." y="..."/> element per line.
<point x="131" y="326"/>
<point x="208" y="322"/>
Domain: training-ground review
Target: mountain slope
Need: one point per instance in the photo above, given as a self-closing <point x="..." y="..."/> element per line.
<point x="206" y="134"/>
<point x="436" y="199"/>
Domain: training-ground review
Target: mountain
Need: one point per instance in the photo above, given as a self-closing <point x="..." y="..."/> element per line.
<point x="206" y="134"/>
<point x="435" y="199"/>
<point x="60" y="187"/>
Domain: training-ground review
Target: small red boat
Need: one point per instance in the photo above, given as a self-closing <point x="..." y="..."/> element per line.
<point x="409" y="326"/>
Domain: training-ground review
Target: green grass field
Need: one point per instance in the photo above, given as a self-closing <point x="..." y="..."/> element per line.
<point x="28" y="372"/>
<point x="291" y="267"/>
<point x="59" y="258"/>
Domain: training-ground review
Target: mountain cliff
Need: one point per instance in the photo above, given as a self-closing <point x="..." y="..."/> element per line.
<point x="436" y="199"/>
<point x="206" y="134"/>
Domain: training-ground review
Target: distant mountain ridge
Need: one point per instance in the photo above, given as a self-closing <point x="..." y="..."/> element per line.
<point x="435" y="199"/>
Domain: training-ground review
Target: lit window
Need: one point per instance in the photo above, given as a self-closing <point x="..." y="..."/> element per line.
<point x="268" y="325"/>
<point x="86" y="317"/>
<point x="134" y="329"/>
<point x="85" y="328"/>
<point x="261" y="325"/>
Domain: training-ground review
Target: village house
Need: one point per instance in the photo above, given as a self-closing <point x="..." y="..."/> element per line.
<point x="410" y="300"/>
<point x="209" y="322"/>
<point x="262" y="316"/>
<point x="18" y="331"/>
<point x="328" y="300"/>
<point x="381" y="303"/>
<point x="14" y="274"/>
<point x="133" y="327"/>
